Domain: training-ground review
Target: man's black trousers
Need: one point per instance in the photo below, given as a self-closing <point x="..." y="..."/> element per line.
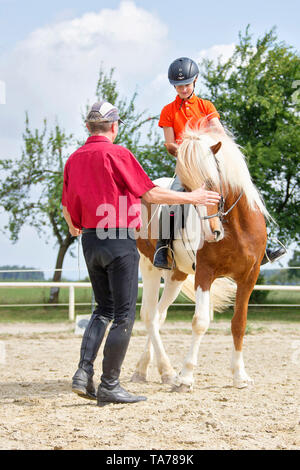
<point x="113" y="269"/>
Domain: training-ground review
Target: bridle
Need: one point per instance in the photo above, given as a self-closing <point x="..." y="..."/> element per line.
<point x="221" y="206"/>
<point x="221" y="214"/>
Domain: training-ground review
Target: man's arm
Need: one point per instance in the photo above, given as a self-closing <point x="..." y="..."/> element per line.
<point x="199" y="196"/>
<point x="73" y="230"/>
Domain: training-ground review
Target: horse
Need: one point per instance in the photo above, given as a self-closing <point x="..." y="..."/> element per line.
<point x="226" y="246"/>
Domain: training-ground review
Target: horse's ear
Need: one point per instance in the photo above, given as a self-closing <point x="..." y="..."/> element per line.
<point x="215" y="148"/>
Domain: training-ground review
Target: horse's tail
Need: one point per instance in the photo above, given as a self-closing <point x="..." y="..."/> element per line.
<point x="222" y="292"/>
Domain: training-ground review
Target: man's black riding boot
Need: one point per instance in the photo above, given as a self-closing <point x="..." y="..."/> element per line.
<point x="273" y="255"/>
<point x="110" y="390"/>
<point x="83" y="385"/>
<point x="116" y="395"/>
<point x="82" y="381"/>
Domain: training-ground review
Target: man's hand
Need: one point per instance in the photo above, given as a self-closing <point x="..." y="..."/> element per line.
<point x="197" y="197"/>
<point x="75" y="232"/>
<point x="204" y="197"/>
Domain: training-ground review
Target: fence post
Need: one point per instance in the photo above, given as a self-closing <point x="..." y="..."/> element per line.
<point x="71" y="303"/>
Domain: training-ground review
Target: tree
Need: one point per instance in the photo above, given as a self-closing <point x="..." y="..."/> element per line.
<point x="32" y="184"/>
<point x="31" y="191"/>
<point x="138" y="133"/>
<point x="255" y="93"/>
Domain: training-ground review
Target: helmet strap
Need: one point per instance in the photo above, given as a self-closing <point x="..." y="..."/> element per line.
<point x="193" y="88"/>
<point x="182" y="100"/>
<point x="190" y="94"/>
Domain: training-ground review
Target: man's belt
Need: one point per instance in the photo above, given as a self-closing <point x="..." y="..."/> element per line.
<point x="118" y="232"/>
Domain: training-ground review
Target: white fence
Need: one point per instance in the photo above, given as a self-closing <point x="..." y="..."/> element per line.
<point x="72" y="285"/>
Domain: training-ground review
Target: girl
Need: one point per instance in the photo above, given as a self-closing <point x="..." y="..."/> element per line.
<point x="187" y="108"/>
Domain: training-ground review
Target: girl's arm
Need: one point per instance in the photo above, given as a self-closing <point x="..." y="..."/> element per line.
<point x="216" y="125"/>
<point x="170" y="142"/>
<point x="169" y="135"/>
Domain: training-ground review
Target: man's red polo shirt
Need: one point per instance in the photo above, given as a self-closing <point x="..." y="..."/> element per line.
<point x="102" y="185"/>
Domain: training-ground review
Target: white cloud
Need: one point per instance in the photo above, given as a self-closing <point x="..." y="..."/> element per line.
<point x="98" y="32"/>
<point x="53" y="72"/>
<point x="222" y="51"/>
<point x="158" y="93"/>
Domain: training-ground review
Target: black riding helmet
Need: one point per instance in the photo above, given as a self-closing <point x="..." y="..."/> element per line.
<point x="183" y="71"/>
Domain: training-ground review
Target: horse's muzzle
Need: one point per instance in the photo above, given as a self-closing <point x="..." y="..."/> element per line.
<point x="219" y="235"/>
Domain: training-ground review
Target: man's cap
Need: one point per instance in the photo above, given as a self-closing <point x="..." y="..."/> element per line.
<point x="107" y="112"/>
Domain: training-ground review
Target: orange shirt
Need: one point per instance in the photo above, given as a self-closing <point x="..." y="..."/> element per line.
<point x="178" y="113"/>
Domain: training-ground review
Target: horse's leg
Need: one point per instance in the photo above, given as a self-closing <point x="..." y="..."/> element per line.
<point x="238" y="327"/>
<point x="154" y="319"/>
<point x="201" y="319"/>
<point x="140" y="374"/>
<point x="151" y="283"/>
<point x="153" y="314"/>
<point x="171" y="290"/>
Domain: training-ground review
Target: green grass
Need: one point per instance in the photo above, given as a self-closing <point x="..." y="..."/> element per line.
<point x="39" y="295"/>
<point x="50" y="313"/>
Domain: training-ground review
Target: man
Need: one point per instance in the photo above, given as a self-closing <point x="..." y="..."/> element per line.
<point x="103" y="184"/>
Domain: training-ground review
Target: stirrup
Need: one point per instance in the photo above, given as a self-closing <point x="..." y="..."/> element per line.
<point x="173" y="258"/>
<point x="279" y="257"/>
<point x="173" y="265"/>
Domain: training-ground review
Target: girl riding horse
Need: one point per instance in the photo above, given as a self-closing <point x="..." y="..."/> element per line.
<point x="187" y="108"/>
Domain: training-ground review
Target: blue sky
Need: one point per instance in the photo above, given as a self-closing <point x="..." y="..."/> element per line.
<point x="193" y="22"/>
<point x="50" y="54"/>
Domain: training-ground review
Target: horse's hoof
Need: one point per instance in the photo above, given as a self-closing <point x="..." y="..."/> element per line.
<point x="242" y="383"/>
<point x="138" y="378"/>
<point x="182" y="388"/>
<point x="168" y="379"/>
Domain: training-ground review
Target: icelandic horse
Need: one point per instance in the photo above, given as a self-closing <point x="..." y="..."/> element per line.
<point x="228" y="245"/>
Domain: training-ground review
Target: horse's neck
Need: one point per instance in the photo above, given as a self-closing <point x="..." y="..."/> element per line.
<point x="240" y="214"/>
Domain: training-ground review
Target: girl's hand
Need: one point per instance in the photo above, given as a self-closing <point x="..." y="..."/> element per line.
<point x="172" y="148"/>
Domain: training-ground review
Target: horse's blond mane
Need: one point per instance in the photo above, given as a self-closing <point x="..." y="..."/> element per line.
<point x="196" y="164"/>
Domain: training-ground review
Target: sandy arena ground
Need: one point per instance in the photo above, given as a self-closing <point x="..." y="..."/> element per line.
<point x="38" y="410"/>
